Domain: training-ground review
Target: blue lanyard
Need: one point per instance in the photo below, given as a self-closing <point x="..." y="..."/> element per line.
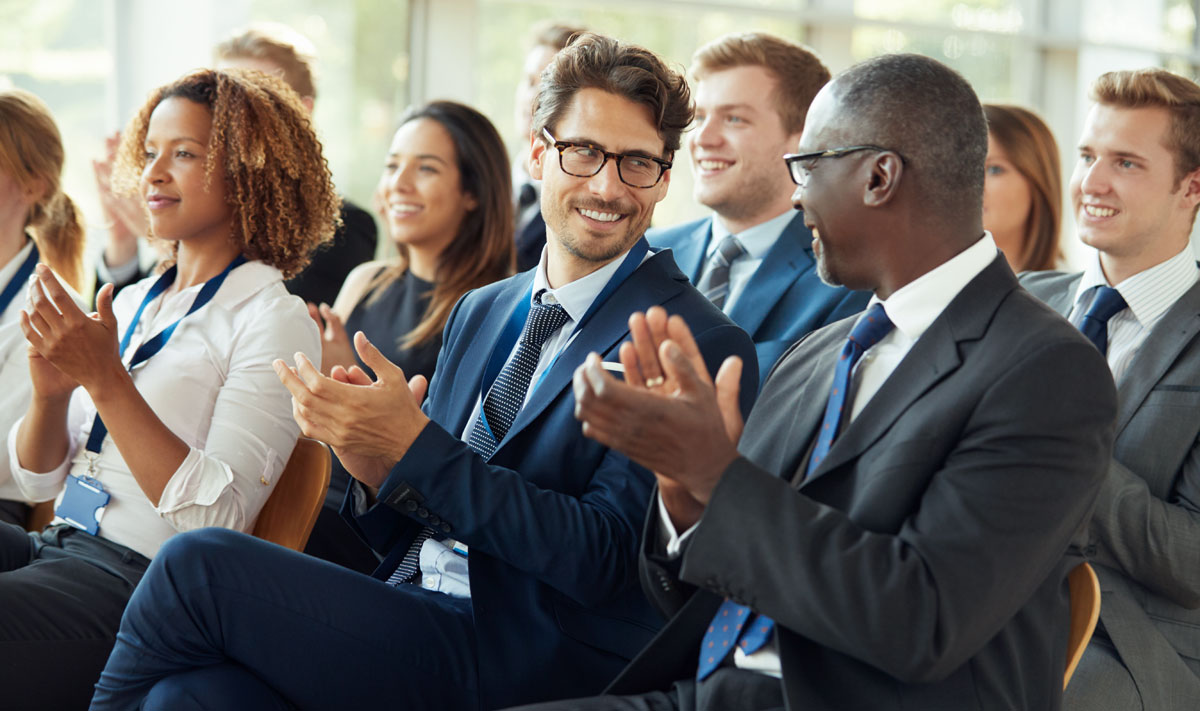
<point x="155" y="343"/>
<point x="516" y="321"/>
<point x="14" y="285"/>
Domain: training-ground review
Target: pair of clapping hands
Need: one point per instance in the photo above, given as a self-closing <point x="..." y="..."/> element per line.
<point x="668" y="415"/>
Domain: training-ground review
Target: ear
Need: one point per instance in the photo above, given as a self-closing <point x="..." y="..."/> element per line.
<point x="1191" y="189"/>
<point x="470" y="202"/>
<point x="307" y="101"/>
<point x="34" y="191"/>
<point x="886" y="171"/>
<point x="537" y="154"/>
<point x="663" y="184"/>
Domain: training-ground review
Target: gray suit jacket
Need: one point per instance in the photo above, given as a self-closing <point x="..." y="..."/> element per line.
<point x="1144" y="539"/>
<point x="923" y="564"/>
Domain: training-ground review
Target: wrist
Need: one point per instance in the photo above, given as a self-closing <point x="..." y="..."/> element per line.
<point x="108" y="385"/>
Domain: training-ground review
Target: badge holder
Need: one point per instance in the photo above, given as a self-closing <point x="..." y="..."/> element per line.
<point x="83" y="503"/>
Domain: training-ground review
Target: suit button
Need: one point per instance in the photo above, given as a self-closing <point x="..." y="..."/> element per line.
<point x="1090" y="551"/>
<point x="434" y="520"/>
<point x="410" y="505"/>
<point x="423" y="512"/>
<point x="445" y="527"/>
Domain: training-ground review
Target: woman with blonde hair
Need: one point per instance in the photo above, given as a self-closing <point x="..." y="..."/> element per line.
<point x="161" y="412"/>
<point x="38" y="223"/>
<point x="1022" y="190"/>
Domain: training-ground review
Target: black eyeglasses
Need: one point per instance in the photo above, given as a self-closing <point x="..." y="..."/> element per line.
<point x="583" y="160"/>
<point x="800" y="165"/>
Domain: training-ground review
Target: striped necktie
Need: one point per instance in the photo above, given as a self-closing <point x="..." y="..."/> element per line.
<point x="714" y="284"/>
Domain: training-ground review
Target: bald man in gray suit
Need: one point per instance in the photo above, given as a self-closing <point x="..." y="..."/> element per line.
<point x="1135" y="190"/>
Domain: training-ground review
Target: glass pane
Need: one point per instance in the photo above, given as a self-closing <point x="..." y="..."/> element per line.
<point x="991" y="15"/>
<point x="986" y="60"/>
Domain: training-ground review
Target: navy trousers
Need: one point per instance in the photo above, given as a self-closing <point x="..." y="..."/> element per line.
<point x="226" y="621"/>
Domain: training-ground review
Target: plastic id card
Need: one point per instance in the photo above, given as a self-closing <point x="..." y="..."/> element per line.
<point x="83" y="503"/>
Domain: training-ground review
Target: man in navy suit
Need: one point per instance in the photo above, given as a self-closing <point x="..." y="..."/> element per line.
<point x="510" y="541"/>
<point x="754" y="258"/>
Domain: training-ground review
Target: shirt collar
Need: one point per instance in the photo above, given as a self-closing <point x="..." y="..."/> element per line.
<point x="1150" y="292"/>
<point x="756" y="240"/>
<point x="8" y="271"/>
<point x="576" y="297"/>
<point x="917" y="304"/>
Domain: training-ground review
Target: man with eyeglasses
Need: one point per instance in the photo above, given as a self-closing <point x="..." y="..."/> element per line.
<point x="509" y="541"/>
<point x="753" y="257"/>
<point x="891" y="531"/>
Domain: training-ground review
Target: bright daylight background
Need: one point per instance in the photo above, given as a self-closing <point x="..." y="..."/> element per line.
<point x="94" y="61"/>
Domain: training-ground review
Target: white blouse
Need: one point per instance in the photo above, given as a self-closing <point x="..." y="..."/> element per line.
<point x="213" y="386"/>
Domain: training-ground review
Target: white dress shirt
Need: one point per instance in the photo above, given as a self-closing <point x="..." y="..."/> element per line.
<point x="442" y="569"/>
<point x="757" y="241"/>
<point x="525" y="214"/>
<point x="1148" y="293"/>
<point x="912" y="308"/>
<point x="15" y="386"/>
<point x="214" y="387"/>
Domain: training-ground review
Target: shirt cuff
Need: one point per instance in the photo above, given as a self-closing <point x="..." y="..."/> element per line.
<point x="38" y="486"/>
<point x="194" y="483"/>
<point x="674" y="540"/>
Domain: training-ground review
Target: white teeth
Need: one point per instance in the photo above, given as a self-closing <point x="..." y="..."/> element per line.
<point x="403" y="208"/>
<point x="600" y="216"/>
<point x="1097" y="211"/>
<point x="714" y="165"/>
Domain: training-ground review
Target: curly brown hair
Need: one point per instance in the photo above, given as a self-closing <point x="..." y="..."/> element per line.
<point x="276" y="178"/>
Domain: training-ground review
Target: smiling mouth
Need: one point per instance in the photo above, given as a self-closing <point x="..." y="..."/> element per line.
<point x="710" y="164"/>
<point x="403" y="209"/>
<point x="599" y="216"/>
<point x="1098" y="211"/>
<point x="157" y="202"/>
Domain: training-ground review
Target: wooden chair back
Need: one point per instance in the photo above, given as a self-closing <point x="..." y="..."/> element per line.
<point x="289" y="514"/>
<point x="1085" y="611"/>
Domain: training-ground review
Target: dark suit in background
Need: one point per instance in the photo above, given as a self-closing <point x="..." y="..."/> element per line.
<point x="923" y="564"/>
<point x="353" y="244"/>
<point x="784" y="299"/>
<point x="1144" y="539"/>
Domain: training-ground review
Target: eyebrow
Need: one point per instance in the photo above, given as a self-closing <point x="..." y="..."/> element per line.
<point x="1119" y="154"/>
<point x="423" y="156"/>
<point x="181" y="139"/>
<point x="730" y="107"/>
<point x="598" y="144"/>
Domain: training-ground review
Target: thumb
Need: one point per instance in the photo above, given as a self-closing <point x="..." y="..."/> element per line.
<point x="729" y="387"/>
<point x="419" y="386"/>
<point x="373" y="359"/>
<point x="104" y="310"/>
<point x="334" y="328"/>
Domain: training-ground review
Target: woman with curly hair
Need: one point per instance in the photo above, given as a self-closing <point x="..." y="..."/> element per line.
<point x="447" y="195"/>
<point x="160" y="412"/>
<point x="38" y="223"/>
<point x="1022" y="193"/>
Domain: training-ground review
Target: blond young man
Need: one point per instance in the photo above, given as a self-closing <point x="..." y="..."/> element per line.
<point x="1135" y="190"/>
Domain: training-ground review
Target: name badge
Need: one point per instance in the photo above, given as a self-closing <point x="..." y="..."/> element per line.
<point x="83" y="503"/>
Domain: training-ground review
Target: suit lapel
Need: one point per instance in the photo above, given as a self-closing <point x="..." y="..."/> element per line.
<point x="934" y="356"/>
<point x="1063" y="301"/>
<point x="468" y="377"/>
<point x="689" y="252"/>
<point x="655" y="281"/>
<point x="1158" y="353"/>
<point x="786" y="261"/>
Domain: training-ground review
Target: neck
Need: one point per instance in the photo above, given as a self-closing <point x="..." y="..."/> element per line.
<point x="11" y="243"/>
<point x="922" y="255"/>
<point x="562" y="268"/>
<point x="422" y="263"/>
<point x="739" y="224"/>
<point x="1118" y="268"/>
<point x="197" y="264"/>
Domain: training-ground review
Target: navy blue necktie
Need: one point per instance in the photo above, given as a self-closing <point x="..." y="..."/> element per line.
<point x="1107" y="303"/>
<point x="736" y="624"/>
<point x="500" y="407"/>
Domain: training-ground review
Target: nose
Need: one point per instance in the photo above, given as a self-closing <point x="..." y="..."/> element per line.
<point x="1093" y="179"/>
<point x="154" y="172"/>
<point x="607" y="184"/>
<point x="400" y="179"/>
<point x="798" y="197"/>
<point x="706" y="134"/>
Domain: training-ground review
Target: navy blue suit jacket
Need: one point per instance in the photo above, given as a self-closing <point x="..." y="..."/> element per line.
<point x="784" y="299"/>
<point x="553" y="518"/>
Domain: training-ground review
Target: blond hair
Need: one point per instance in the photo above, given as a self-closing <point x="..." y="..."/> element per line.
<point x="799" y="74"/>
<point x="1148" y="88"/>
<point x="280" y="45"/>
<point x="31" y="153"/>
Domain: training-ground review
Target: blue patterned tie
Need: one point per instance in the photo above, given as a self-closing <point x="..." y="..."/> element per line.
<point x="1107" y="303"/>
<point x="726" y="628"/>
<point x="714" y="284"/>
<point x="500" y="407"/>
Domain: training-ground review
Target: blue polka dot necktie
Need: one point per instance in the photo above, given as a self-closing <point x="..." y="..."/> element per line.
<point x="737" y="625"/>
<point x="714" y="284"/>
<point x="1107" y="303"/>
<point x="500" y="407"/>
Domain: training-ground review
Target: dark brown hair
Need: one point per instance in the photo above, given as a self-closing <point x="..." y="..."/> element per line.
<point x="593" y="61"/>
<point x="31" y="152"/>
<point x="263" y="147"/>
<point x="1030" y="147"/>
<point x="799" y="74"/>
<point x="482" y="252"/>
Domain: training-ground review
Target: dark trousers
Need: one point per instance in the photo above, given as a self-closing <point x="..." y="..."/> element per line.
<point x="225" y="621"/>
<point x="62" y="592"/>
<point x="14" y="512"/>
<point x="727" y="688"/>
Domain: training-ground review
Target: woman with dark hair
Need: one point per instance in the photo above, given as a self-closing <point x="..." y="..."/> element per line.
<point x="446" y="196"/>
<point x="1022" y="190"/>
<point x="161" y="412"/>
<point x="38" y="223"/>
